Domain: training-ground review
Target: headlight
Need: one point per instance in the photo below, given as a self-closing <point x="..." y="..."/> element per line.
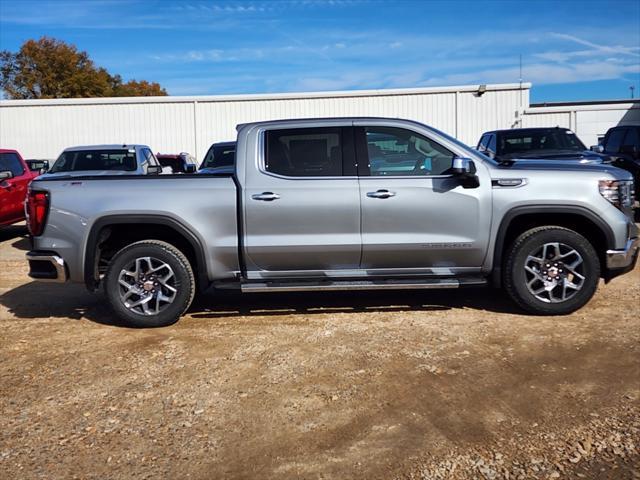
<point x="619" y="192"/>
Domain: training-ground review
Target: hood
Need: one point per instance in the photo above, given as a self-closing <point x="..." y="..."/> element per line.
<point x="85" y="173"/>
<point x="564" y="166"/>
<point x="585" y="156"/>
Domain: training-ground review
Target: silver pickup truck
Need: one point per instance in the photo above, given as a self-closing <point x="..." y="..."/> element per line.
<point x="338" y="204"/>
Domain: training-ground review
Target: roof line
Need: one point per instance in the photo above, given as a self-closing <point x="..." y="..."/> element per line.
<point x="264" y="96"/>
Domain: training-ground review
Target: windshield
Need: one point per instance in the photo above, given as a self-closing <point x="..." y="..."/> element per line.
<point x="82" y="160"/>
<point x="555" y="139"/>
<point x="220" y="156"/>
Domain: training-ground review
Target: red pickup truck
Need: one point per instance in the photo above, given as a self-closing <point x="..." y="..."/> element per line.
<point x="15" y="177"/>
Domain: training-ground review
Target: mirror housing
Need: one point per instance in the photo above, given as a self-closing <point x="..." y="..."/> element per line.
<point x="154" y="170"/>
<point x="597" y="148"/>
<point x="6" y="175"/>
<point x="630" y="150"/>
<point x="463" y="166"/>
<point x="190" y="168"/>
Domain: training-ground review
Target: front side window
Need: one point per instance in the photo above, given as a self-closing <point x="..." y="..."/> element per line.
<point x="11" y="162"/>
<point x="81" y="160"/>
<point x="615" y="139"/>
<point x="304" y="152"/>
<point x="398" y="152"/>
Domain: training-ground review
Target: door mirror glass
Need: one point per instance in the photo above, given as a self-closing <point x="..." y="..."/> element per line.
<point x="5" y="175"/>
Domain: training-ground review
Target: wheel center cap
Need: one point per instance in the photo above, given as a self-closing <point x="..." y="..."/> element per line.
<point x="148" y="286"/>
<point x="553" y="272"/>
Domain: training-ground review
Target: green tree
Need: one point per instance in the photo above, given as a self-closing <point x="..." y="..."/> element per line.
<point x="50" y="68"/>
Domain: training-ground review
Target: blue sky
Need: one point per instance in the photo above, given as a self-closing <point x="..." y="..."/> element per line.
<point x="571" y="50"/>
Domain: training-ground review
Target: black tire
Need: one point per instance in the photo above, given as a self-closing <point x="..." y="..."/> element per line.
<point x="521" y="283"/>
<point x="172" y="261"/>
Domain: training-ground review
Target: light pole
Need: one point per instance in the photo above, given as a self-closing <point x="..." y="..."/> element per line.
<point x="632" y="88"/>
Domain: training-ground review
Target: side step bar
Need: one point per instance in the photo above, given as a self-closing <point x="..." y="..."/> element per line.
<point x="389" y="284"/>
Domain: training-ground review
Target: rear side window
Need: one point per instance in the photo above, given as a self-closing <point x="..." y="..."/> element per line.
<point x="633" y="137"/>
<point x="304" y="152"/>
<point x="398" y="152"/>
<point x="88" y="160"/>
<point x="11" y="162"/>
<point x="615" y="139"/>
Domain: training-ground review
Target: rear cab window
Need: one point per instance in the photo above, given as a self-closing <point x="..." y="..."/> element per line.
<point x="220" y="156"/>
<point x="90" y="160"/>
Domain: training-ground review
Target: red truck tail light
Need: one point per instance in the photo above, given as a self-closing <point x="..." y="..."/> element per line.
<point x="37" y="210"/>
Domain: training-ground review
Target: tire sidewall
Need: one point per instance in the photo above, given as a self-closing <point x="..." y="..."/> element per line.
<point x="517" y="276"/>
<point x="169" y="315"/>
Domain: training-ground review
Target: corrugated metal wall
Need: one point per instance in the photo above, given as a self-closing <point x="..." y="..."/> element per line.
<point x="43" y="128"/>
<point x="589" y="122"/>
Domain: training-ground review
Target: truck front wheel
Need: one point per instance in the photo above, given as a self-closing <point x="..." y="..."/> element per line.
<point x="551" y="271"/>
<point x="149" y="284"/>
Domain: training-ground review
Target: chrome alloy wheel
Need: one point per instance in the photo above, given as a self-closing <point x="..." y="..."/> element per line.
<point x="147" y="286"/>
<point x="554" y="272"/>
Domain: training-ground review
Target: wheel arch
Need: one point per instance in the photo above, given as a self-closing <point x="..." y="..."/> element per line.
<point x="119" y="230"/>
<point x="577" y="218"/>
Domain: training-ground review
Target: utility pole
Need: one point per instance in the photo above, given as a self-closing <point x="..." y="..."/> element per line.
<point x="632" y="88"/>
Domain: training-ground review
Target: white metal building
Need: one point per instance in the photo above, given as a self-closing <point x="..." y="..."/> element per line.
<point x="43" y="128"/>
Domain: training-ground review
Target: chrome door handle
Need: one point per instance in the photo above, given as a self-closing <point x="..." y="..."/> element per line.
<point x="266" y="196"/>
<point x="383" y="193"/>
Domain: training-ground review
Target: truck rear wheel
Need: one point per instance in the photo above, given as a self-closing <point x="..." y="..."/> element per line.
<point x="551" y="271"/>
<point x="149" y="284"/>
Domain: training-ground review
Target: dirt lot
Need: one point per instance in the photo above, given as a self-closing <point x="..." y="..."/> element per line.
<point x="416" y="384"/>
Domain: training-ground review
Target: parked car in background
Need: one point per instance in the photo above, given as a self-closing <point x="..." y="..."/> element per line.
<point x="536" y="143"/>
<point x="622" y="145"/>
<point x="177" y="163"/>
<point x="98" y="160"/>
<point x="220" y="158"/>
<point x="331" y="204"/>
<point x="15" y="177"/>
<point x="38" y="165"/>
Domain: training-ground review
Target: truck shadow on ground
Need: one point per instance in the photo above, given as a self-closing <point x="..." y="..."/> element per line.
<point x="14" y="231"/>
<point x="40" y="300"/>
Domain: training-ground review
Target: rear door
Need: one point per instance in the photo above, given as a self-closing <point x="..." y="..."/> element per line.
<point x="415" y="214"/>
<point x="14" y="190"/>
<point x="301" y="202"/>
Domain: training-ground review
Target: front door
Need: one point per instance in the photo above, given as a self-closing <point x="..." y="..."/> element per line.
<point x="301" y="203"/>
<point x="13" y="191"/>
<point x="416" y="216"/>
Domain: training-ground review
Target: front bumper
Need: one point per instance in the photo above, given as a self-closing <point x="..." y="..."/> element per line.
<point x="47" y="267"/>
<point x="620" y="262"/>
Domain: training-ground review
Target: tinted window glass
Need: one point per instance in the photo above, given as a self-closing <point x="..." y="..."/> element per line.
<point x="81" y="160"/>
<point x="305" y="152"/>
<point x="11" y="162"/>
<point x="150" y="157"/>
<point x="220" y="156"/>
<point x="484" y="141"/>
<point x="633" y="137"/>
<point x="555" y="139"/>
<point x="400" y="152"/>
<point x="614" y="141"/>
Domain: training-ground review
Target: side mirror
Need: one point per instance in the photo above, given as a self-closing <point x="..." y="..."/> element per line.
<point x="6" y="175"/>
<point x="597" y="148"/>
<point x="190" y="168"/>
<point x="629" y="150"/>
<point x="154" y="169"/>
<point x="463" y="166"/>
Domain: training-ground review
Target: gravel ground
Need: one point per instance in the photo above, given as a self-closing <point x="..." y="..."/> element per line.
<point x="406" y="385"/>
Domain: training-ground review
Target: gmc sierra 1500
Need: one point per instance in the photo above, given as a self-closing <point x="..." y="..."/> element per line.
<point x="328" y="204"/>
